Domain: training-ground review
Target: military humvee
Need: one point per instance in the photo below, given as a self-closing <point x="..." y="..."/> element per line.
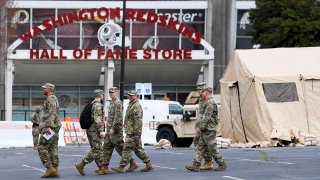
<point x="180" y="131"/>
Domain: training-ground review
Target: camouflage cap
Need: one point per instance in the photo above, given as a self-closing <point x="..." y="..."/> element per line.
<point x="132" y="93"/>
<point x="201" y="85"/>
<point x="48" y="86"/>
<point x="98" y="92"/>
<point x="113" y="89"/>
<point x="209" y="89"/>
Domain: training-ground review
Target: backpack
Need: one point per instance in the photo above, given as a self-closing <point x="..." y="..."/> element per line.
<point x="85" y="116"/>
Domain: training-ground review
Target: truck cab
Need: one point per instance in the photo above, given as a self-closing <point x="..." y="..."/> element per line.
<point x="181" y="131"/>
<point x="155" y="112"/>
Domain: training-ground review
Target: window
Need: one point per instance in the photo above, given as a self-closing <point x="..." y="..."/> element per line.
<point x="244" y="28"/>
<point x="175" y="109"/>
<point x="280" y="92"/>
<point x="20" y="106"/>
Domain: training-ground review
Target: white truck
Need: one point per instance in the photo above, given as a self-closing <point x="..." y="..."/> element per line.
<point x="154" y="112"/>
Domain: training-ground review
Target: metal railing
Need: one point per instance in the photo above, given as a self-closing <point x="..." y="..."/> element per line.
<point x="26" y="117"/>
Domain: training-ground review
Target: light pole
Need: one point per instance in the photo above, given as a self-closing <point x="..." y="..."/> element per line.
<point x="123" y="50"/>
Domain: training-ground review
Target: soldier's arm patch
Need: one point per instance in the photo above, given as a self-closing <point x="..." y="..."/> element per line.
<point x="209" y="111"/>
<point x="51" y="106"/>
<point x="97" y="111"/>
<point x="119" y="107"/>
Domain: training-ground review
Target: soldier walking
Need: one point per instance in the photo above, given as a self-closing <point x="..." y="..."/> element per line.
<point x="206" y="153"/>
<point x="208" y="126"/>
<point x="50" y="123"/>
<point x="95" y="135"/>
<point x="35" y="119"/>
<point x="114" y="133"/>
<point x="133" y="128"/>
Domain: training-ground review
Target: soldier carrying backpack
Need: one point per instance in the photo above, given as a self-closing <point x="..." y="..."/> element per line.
<point x="95" y="132"/>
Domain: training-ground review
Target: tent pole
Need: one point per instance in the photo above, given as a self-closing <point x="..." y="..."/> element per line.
<point x="232" y="124"/>
<point x="244" y="131"/>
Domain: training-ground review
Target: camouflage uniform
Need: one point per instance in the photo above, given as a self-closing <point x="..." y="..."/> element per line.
<point x="48" y="149"/>
<point x="35" y="119"/>
<point x="93" y="134"/>
<point x="114" y="141"/>
<point x="133" y="128"/>
<point x="205" y="154"/>
<point x="208" y="125"/>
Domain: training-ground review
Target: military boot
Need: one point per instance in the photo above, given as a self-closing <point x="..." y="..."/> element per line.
<point x="133" y="166"/>
<point x="105" y="171"/>
<point x="56" y="174"/>
<point x="50" y="172"/>
<point x="148" y="167"/>
<point x="193" y="168"/>
<point x="80" y="167"/>
<point x="221" y="167"/>
<point x="101" y="170"/>
<point x="207" y="165"/>
<point x="119" y="169"/>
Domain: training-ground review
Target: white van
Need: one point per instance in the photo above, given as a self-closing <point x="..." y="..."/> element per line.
<point x="156" y="111"/>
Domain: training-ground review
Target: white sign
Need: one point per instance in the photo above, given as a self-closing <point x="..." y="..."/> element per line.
<point x="139" y="88"/>
<point x="144" y="89"/>
<point x="147" y="88"/>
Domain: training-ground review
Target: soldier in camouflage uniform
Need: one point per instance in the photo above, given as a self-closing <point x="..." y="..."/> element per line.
<point x="208" y="126"/>
<point x="206" y="155"/>
<point x="35" y="119"/>
<point x="95" y="135"/>
<point x="133" y="128"/>
<point x="114" y="135"/>
<point x="48" y="149"/>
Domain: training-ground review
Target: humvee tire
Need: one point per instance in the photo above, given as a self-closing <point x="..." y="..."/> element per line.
<point x="167" y="133"/>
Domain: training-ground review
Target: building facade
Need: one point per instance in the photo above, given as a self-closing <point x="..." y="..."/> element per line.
<point x="165" y="56"/>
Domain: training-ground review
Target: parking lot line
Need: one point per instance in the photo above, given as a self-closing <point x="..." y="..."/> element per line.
<point x="9" y="170"/>
<point x="170" y="153"/>
<point x="163" y="167"/>
<point x="284" y="163"/>
<point x="257" y="160"/>
<point x="41" y="170"/>
<point x="230" y="177"/>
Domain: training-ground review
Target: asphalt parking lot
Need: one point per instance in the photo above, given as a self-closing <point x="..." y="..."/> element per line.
<point x="255" y="164"/>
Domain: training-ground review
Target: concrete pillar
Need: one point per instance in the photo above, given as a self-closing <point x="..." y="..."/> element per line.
<point x="221" y="34"/>
<point x="8" y="89"/>
<point x="2" y="89"/>
<point x="208" y="73"/>
<point x="108" y="83"/>
<point x="108" y="77"/>
<point x="3" y="52"/>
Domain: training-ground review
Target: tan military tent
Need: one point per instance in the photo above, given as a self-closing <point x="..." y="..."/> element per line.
<point x="271" y="94"/>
